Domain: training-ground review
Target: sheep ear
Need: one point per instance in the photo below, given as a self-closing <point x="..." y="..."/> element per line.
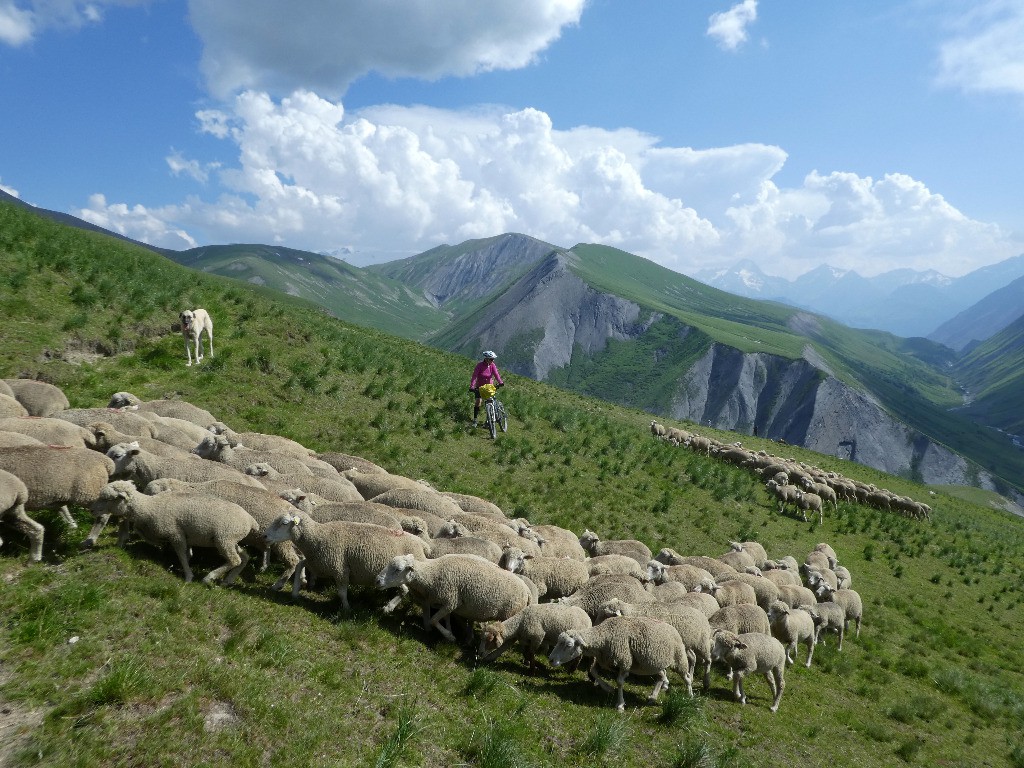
<point x="739" y="645"/>
<point x="527" y="557"/>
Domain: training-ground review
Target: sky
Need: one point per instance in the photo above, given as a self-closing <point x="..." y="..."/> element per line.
<point x="872" y="135"/>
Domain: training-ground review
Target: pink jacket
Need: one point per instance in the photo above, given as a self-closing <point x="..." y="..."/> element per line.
<point x="484" y="372"/>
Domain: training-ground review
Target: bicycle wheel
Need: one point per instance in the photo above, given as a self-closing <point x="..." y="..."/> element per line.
<point x="502" y="417"/>
<point x="492" y="424"/>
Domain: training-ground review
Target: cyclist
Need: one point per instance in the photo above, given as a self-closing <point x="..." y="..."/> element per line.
<point x="484" y="373"/>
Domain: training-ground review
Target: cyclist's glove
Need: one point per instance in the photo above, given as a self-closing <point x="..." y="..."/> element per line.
<point x="501" y="385"/>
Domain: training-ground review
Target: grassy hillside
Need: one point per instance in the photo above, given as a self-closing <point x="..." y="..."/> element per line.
<point x="169" y="674"/>
<point x="347" y="292"/>
<point x="994" y="374"/>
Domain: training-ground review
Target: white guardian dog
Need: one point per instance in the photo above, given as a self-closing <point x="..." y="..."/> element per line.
<point x="193" y="323"/>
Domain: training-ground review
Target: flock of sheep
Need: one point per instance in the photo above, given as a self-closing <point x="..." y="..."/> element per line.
<point x="808" y="488"/>
<point x="174" y="475"/>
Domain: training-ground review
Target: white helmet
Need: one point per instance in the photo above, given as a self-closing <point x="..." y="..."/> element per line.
<point x="488" y="355"/>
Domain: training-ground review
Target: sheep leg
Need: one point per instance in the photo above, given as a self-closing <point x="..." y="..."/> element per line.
<point x="810" y="651"/>
<point x="22" y="522"/>
<point x="65" y="515"/>
<point x="343" y="590"/>
<point x="394" y="602"/>
<point x="620" y="698"/>
<point x="236" y="558"/>
<point x="181" y="550"/>
<point x="777" y="684"/>
<point x="124" y="530"/>
<point x="662" y="682"/>
<point x="737" y="687"/>
<point x="435" y="621"/>
<point x="294" y="575"/>
<point x="841" y="633"/>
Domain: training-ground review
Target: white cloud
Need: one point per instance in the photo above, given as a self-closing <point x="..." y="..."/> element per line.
<point x="392" y="181"/>
<point x="324" y="45"/>
<point x="137" y="222"/>
<point x="16" y="24"/>
<point x="729" y="28"/>
<point x="10" y="190"/>
<point x="987" y="52"/>
<point x="180" y="165"/>
<point x="21" y="22"/>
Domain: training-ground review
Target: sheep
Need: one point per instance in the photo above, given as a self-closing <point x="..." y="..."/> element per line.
<point x="348" y="553"/>
<point x="218" y="448"/>
<point x="16" y="440"/>
<point x="474" y="505"/>
<point x="258" y="441"/>
<point x="827" y="616"/>
<point x="9" y="406"/>
<point x="263" y="505"/>
<point x="177" y="432"/>
<point x="344" y="462"/>
<point x="536" y="628"/>
<point x="816" y="576"/>
<point x="754" y="549"/>
<point x="461" y="585"/>
<point x="127" y="422"/>
<point x="627" y="645"/>
<point x="50" y="431"/>
<point x="554" y="577"/>
<point x="193" y="323"/>
<point x="37" y="397"/>
<point x="58" y="477"/>
<point x="737" y="559"/>
<point x="847" y="599"/>
<point x="559" y="542"/>
<point x="606" y="564"/>
<point x="765" y="591"/>
<point x="702" y="601"/>
<point x="810" y="502"/>
<point x="351" y="512"/>
<point x="782" y="577"/>
<point x="658" y="430"/>
<point x="844" y="578"/>
<point x="795" y="596"/>
<point x="463" y="545"/>
<point x="13" y="498"/>
<point x="335" y="488"/>
<point x="600" y="589"/>
<point x="5" y="388"/>
<point x="817" y="560"/>
<point x="791" y="626"/>
<point x="628" y="547"/>
<point x="712" y="565"/>
<point x="106" y="437"/>
<point x="501" y="535"/>
<point x="176" y="409"/>
<point x="143" y="467"/>
<point x="732" y="593"/>
<point x="688" y="575"/>
<point x="691" y="624"/>
<point x="183" y="520"/>
<point x="752" y="653"/>
<point x="786" y="494"/>
<point x="370" y="484"/>
<point x="419" y="499"/>
<point x="822" y="490"/>
<point x="741" y="619"/>
<point x="828" y="552"/>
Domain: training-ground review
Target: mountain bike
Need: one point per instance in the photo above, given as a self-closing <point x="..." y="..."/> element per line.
<point x="495" y="412"/>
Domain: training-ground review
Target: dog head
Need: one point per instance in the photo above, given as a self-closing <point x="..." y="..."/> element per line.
<point x="187" y="317"/>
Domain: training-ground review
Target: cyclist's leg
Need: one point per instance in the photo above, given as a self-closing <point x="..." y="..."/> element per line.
<point x="476" y="408"/>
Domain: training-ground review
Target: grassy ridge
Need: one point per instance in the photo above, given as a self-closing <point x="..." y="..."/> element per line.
<point x="165" y="673"/>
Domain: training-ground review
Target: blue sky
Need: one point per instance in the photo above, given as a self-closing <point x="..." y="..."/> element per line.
<point x="867" y="135"/>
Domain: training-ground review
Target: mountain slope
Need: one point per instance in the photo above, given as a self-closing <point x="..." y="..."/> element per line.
<point x="604" y="322"/>
<point x="348" y="292"/>
<point x="993" y="373"/>
<point x="983" y="319"/>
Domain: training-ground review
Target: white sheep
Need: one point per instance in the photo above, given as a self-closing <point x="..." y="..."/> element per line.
<point x="193" y="323"/>
<point x="607" y="564"/>
<point x="626" y="646"/>
<point x="810" y="502"/>
<point x="658" y="430"/>
<point x="461" y="545"/>
<point x="535" y="628"/>
<point x="795" y="596"/>
<point x="39" y="398"/>
<point x="58" y="477"/>
<point x="460" y="585"/>
<point x="600" y="589"/>
<point x="687" y="575"/>
<point x="710" y="564"/>
<point x="144" y="467"/>
<point x="106" y="436"/>
<point x="731" y="593"/>
<point x="555" y="577"/>
<point x="371" y="484"/>
<point x="501" y="535"/>
<point x="9" y="406"/>
<point x="559" y="542"/>
<point x="475" y="505"/>
<point x="344" y="462"/>
<point x="218" y="448"/>
<point x="259" y="441"/>
<point x="50" y="431"/>
<point x="765" y="591"/>
<point x="752" y="653"/>
<point x="754" y="549"/>
<point x="183" y="521"/>
<point x="691" y="624"/>
<point x="347" y="553"/>
<point x="741" y="619"/>
<point x="13" y="498"/>
<point x="827" y="616"/>
<point x="335" y="488"/>
<point x="847" y="599"/>
<point x="791" y="626"/>
<point x="176" y="409"/>
<point x="594" y="546"/>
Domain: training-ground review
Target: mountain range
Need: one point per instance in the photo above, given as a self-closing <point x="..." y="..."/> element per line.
<point x="952" y="311"/>
<point x="603" y="322"/>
